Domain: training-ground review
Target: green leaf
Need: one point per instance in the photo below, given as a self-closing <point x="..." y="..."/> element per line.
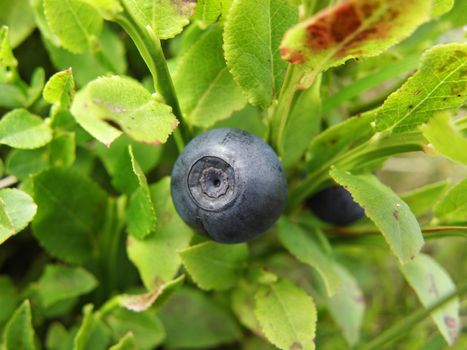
<point x="350" y="29"/>
<point x="83" y="23"/>
<point x="64" y="282"/>
<point x="210" y="11"/>
<point x="140" y="215"/>
<point x="110" y="58"/>
<point x="120" y="101"/>
<point x="23" y="163"/>
<point x="390" y="213"/>
<point x="445" y="138"/>
<point x="17" y="15"/>
<point x="166" y="18"/>
<point x="213" y="265"/>
<point x="36" y="85"/>
<point x="303" y="124"/>
<point x="85" y="328"/>
<point x="439" y="84"/>
<point x="204" y="323"/>
<point x="11" y="96"/>
<point x="18" y="333"/>
<point x="59" y="89"/>
<point x="124" y="178"/>
<point x="253" y="31"/>
<point x="127" y="342"/>
<point x="21" y="129"/>
<point x="62" y="150"/>
<point x="338" y="139"/>
<point x="16" y="211"/>
<point x="70" y="214"/>
<point x="454" y="205"/>
<point x="92" y="331"/>
<point x="347" y="305"/>
<point x="147" y="328"/>
<point x="243" y="305"/>
<point x="42" y="24"/>
<point x="422" y="199"/>
<point x="7" y="59"/>
<point x="247" y="119"/>
<point x="108" y="9"/>
<point x="440" y="7"/>
<point x="156" y="298"/>
<point x="156" y="257"/>
<point x="147" y="156"/>
<point x="431" y="283"/>
<point x="287" y="315"/>
<point x="206" y="89"/>
<point x="305" y="248"/>
<point x="9" y="298"/>
<point x="58" y="338"/>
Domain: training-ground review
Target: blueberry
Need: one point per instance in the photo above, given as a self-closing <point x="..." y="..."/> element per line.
<point x="335" y="205"/>
<point x="229" y="185"/>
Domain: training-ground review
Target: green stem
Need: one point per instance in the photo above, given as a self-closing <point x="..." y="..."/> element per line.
<point x="289" y="94"/>
<point x="282" y="110"/>
<point x="407" y="324"/>
<point x="130" y="29"/>
<point x="149" y="46"/>
<point x="162" y="79"/>
<point x="356" y="88"/>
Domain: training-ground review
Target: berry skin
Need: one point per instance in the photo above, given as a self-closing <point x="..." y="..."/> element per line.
<point x="335" y="205"/>
<point x="229" y="185"/>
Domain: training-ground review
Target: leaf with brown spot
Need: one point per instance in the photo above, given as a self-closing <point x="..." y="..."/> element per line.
<point x="157" y="297"/>
<point x="431" y="283"/>
<point x="296" y="346"/>
<point x="351" y="29"/>
<point x="440" y="84"/>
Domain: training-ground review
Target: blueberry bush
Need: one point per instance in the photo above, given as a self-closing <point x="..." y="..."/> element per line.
<point x="362" y="101"/>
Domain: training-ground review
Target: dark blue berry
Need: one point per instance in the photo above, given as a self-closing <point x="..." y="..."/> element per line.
<point x="229" y="185"/>
<point x="335" y="205"/>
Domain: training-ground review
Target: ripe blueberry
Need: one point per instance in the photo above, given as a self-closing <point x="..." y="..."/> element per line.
<point x="335" y="205"/>
<point x="229" y="185"/>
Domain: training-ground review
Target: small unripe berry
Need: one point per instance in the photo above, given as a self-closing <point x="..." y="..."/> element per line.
<point x="335" y="205"/>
